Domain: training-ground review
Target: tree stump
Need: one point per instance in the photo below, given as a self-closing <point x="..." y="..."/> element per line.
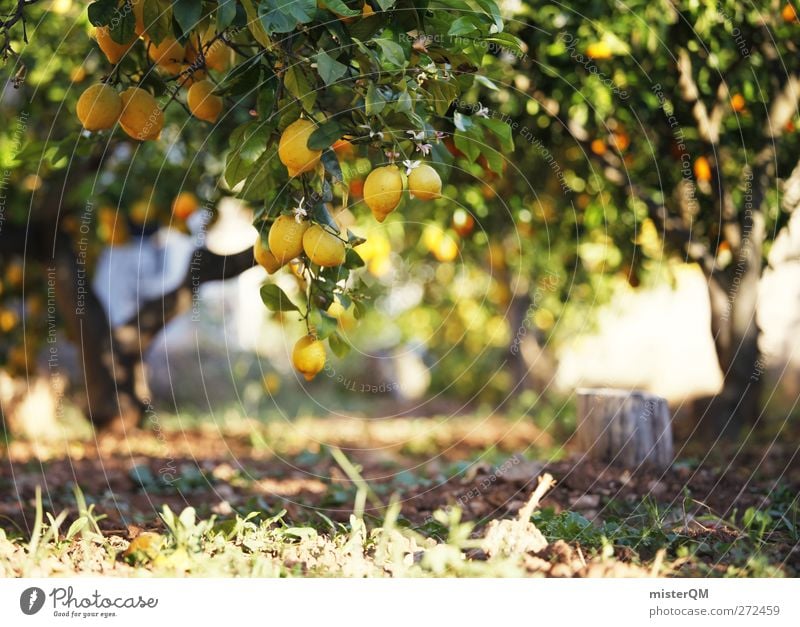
<point x="626" y="428"/>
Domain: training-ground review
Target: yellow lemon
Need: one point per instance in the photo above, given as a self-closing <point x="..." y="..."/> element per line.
<point x="99" y="107"/>
<point x="599" y="51"/>
<point x="218" y="56"/>
<point x="168" y="54"/>
<point x="383" y="190"/>
<point x="113" y="51"/>
<point x="293" y="149"/>
<point x="264" y="257"/>
<point x="202" y="102"/>
<point x="141" y="118"/>
<point x="308" y="356"/>
<point x="424" y="182"/>
<point x="286" y="238"/>
<point x="323" y="248"/>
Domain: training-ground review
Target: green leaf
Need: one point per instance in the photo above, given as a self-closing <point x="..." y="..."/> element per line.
<point x="297" y="85"/>
<point x="226" y="13"/>
<point x="322" y="215"/>
<point x="463" y="26"/>
<point x="102" y="12"/>
<point x="331" y="163"/>
<point x="123" y="29"/>
<point x="187" y="13"/>
<point x="501" y="130"/>
<point x="283" y="16"/>
<point x="469" y="142"/>
<point x="242" y="79"/>
<point x="392" y="52"/>
<point x="339" y="345"/>
<point x="385" y="5"/>
<point x="404" y="103"/>
<point x="323" y="323"/>
<point x="353" y="260"/>
<point x="340" y="8"/>
<point x="275" y="299"/>
<point x="157" y="16"/>
<point x="330" y="70"/>
<point x="325" y="135"/>
<point x="374" y="102"/>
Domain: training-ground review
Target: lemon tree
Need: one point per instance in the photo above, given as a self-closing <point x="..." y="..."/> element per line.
<point x="290" y="107"/>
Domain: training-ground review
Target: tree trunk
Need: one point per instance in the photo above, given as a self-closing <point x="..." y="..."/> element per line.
<point x="108" y="374"/>
<point x="733" y="295"/>
<point x="629" y="429"/>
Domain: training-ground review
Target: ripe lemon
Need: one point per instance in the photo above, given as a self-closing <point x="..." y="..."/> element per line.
<point x="202" y="102"/>
<point x="323" y="248"/>
<point x="113" y="51"/>
<point x="424" y="182"/>
<point x="218" y="56"/>
<point x="599" y="51"/>
<point x="184" y="205"/>
<point x="141" y="118"/>
<point x="788" y="13"/>
<point x="293" y="149"/>
<point x="168" y="54"/>
<point x="308" y="356"/>
<point x="286" y="238"/>
<point x="99" y="107"/>
<point x="383" y="190"/>
<point x="264" y="257"/>
<point x="738" y="103"/>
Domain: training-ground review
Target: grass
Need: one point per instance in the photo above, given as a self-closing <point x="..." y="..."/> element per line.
<point x="395" y="507"/>
<point x="640" y="539"/>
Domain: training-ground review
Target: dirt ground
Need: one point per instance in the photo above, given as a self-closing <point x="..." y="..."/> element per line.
<point x="487" y="473"/>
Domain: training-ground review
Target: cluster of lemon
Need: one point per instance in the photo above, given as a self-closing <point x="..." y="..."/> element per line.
<point x="100" y="107"/>
<point x="290" y="236"/>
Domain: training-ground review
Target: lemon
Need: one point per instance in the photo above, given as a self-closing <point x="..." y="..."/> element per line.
<point x="141" y="118"/>
<point x="99" y="107"/>
<point x="293" y="149"/>
<point x="323" y="248"/>
<point x="184" y="205"/>
<point x="286" y="238"/>
<point x="424" y="182"/>
<point x="113" y="51"/>
<point x="168" y="54"/>
<point x="308" y="356"/>
<point x="218" y="56"/>
<point x="202" y="102"/>
<point x="264" y="257"/>
<point x="383" y="190"/>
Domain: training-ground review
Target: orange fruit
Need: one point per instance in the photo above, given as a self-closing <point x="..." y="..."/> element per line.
<point x="184" y="205"/>
<point x="738" y="103"/>
<point x="788" y="13"/>
<point x="702" y="169"/>
<point x="598" y="147"/>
